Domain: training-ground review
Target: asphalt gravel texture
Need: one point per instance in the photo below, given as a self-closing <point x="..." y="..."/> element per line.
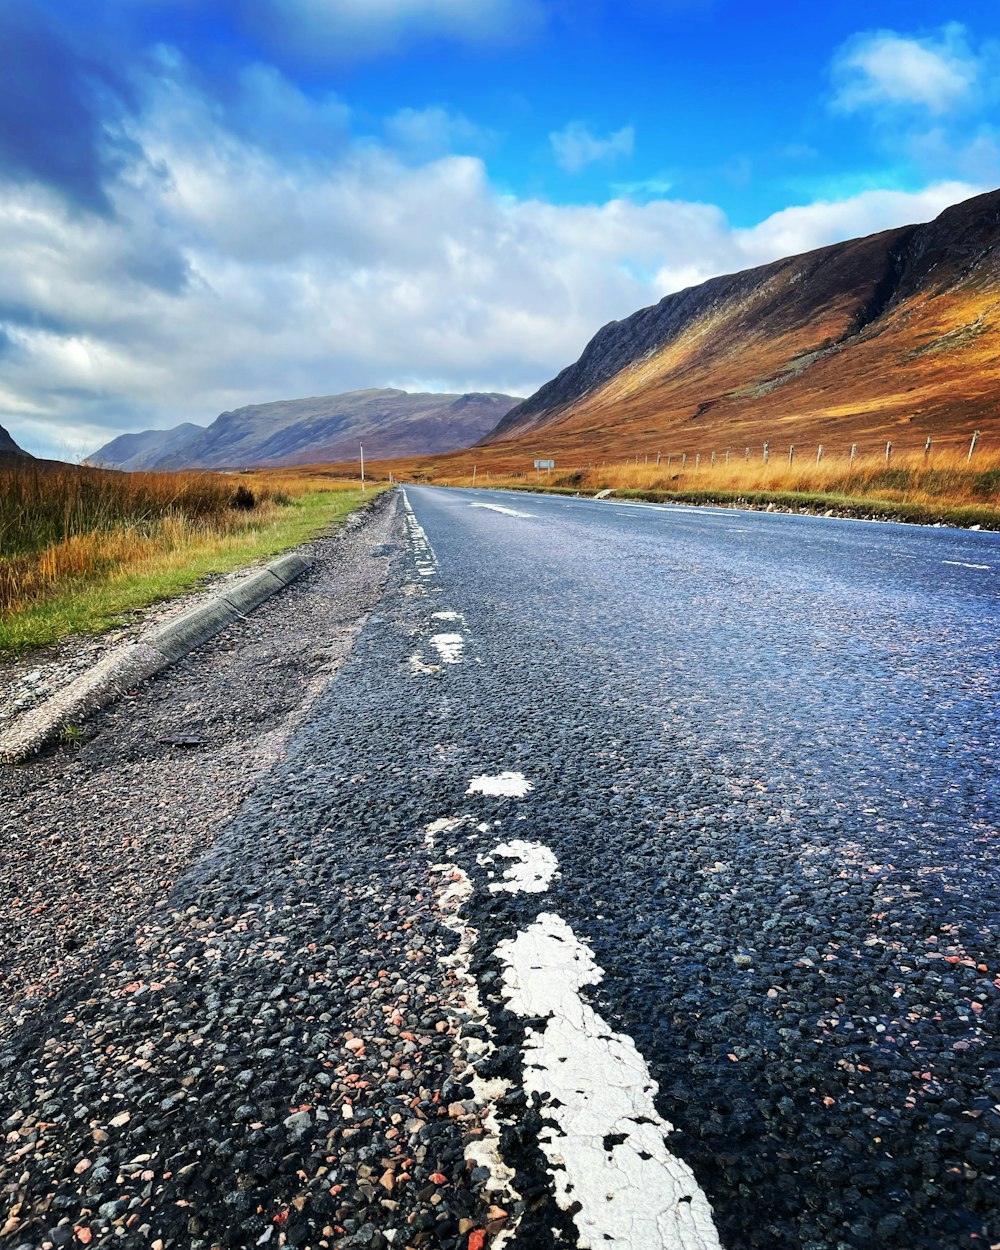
<point x="762" y="749"/>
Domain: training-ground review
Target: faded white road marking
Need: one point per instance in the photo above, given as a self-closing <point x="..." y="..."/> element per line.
<point x="447" y="616"/>
<point x="532" y="872"/>
<point x="603" y="1137"/>
<point x="484" y="1151"/>
<point x="507" y="785"/>
<point x="445" y="824"/>
<point x="497" y="507"/>
<point x="449" y="647"/>
<point x="424" y="556"/>
<point x="962" y="565"/>
<point x="417" y="666"/>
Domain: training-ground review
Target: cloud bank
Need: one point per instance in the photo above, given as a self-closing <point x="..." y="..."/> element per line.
<point x="190" y="262"/>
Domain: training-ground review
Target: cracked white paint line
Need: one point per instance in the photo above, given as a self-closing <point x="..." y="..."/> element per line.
<point x="496" y="507"/>
<point x="449" y="647"/>
<point x="454" y="893"/>
<point x="603" y="1136"/>
<point x="424" y="556"/>
<point x="531" y="873"/>
<point x="446" y="824"/>
<point x="447" y="616"/>
<point x="506" y="785"/>
<point x="961" y="565"/>
<point x="418" y="666"/>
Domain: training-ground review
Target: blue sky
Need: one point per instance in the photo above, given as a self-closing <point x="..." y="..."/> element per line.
<point x="210" y="204"/>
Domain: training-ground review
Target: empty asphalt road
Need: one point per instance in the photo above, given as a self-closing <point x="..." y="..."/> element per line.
<point x="634" y="883"/>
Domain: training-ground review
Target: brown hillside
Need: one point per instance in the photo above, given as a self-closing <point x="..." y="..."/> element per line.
<point x="895" y="336"/>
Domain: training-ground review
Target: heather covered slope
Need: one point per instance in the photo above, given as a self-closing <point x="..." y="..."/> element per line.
<point x="318" y="429"/>
<point x="891" y="336"/>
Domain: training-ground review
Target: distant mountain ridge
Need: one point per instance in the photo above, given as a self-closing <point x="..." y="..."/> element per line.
<point x="324" y="428"/>
<point x="896" y="332"/>
<point x="9" y="449"/>
<point x="144" y="450"/>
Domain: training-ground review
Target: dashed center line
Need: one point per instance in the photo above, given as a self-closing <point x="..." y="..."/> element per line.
<point x="531" y="872"/>
<point x="505" y="785"/>
<point x="602" y="1135"/>
<point x="496" y="507"/>
<point x="449" y="647"/>
<point x="962" y="565"/>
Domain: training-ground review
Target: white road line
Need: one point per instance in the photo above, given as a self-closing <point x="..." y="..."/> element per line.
<point x="506" y="785"/>
<point x="449" y="647"/>
<point x="447" y="616"/>
<point x="603" y="1137"/>
<point x="424" y="556"/>
<point x="418" y="665"/>
<point x="496" y="507"/>
<point x="483" y="1151"/>
<point x="962" y="565"/>
<point x="531" y="873"/>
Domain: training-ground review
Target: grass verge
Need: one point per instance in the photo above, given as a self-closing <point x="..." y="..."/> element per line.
<point x="168" y="557"/>
<point x="863" y="508"/>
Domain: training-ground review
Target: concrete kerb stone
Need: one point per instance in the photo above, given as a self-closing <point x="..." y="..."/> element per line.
<point x="191" y="629"/>
<point x="251" y="592"/>
<point x="156" y="649"/>
<point x="106" y="681"/>
<point x="287" y="568"/>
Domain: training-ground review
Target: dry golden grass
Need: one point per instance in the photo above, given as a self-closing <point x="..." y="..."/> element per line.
<point x="78" y="545"/>
<point x="945" y="478"/>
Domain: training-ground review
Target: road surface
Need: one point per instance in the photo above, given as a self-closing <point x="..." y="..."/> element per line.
<point x="634" y="883"/>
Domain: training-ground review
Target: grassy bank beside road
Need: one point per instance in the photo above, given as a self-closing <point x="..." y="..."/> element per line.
<point x="80" y="548"/>
<point x="945" y="487"/>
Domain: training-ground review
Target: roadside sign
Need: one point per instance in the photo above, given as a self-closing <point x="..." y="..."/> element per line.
<point x="545" y="464"/>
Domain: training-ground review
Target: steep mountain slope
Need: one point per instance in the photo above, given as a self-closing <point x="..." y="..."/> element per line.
<point x="893" y="335"/>
<point x="144" y="450"/>
<point x="9" y="450"/>
<point x="323" y="428"/>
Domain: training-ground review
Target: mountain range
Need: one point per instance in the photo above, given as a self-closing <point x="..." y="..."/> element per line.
<point x="893" y="336"/>
<point x="9" y="450"/>
<point x="321" y="429"/>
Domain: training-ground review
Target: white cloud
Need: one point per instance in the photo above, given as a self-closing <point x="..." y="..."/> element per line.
<point x="575" y="147"/>
<point x="802" y="228"/>
<point x="435" y="131"/>
<point x="885" y="69"/>
<point x="351" y="30"/>
<point x="230" y="274"/>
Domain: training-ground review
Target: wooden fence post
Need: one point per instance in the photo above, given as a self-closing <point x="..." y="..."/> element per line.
<point x="767" y="452"/>
<point x="972" y="446"/>
<point x="791" y="453"/>
<point x="819" y="453"/>
<point x="888" y="452"/>
<point x="854" y="452"/>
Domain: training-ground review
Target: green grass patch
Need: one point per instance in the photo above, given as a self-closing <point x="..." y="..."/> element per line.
<point x="94" y="603"/>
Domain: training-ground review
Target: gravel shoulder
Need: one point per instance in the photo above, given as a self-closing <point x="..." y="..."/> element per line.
<point x="96" y="835"/>
<point x="265" y="1036"/>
